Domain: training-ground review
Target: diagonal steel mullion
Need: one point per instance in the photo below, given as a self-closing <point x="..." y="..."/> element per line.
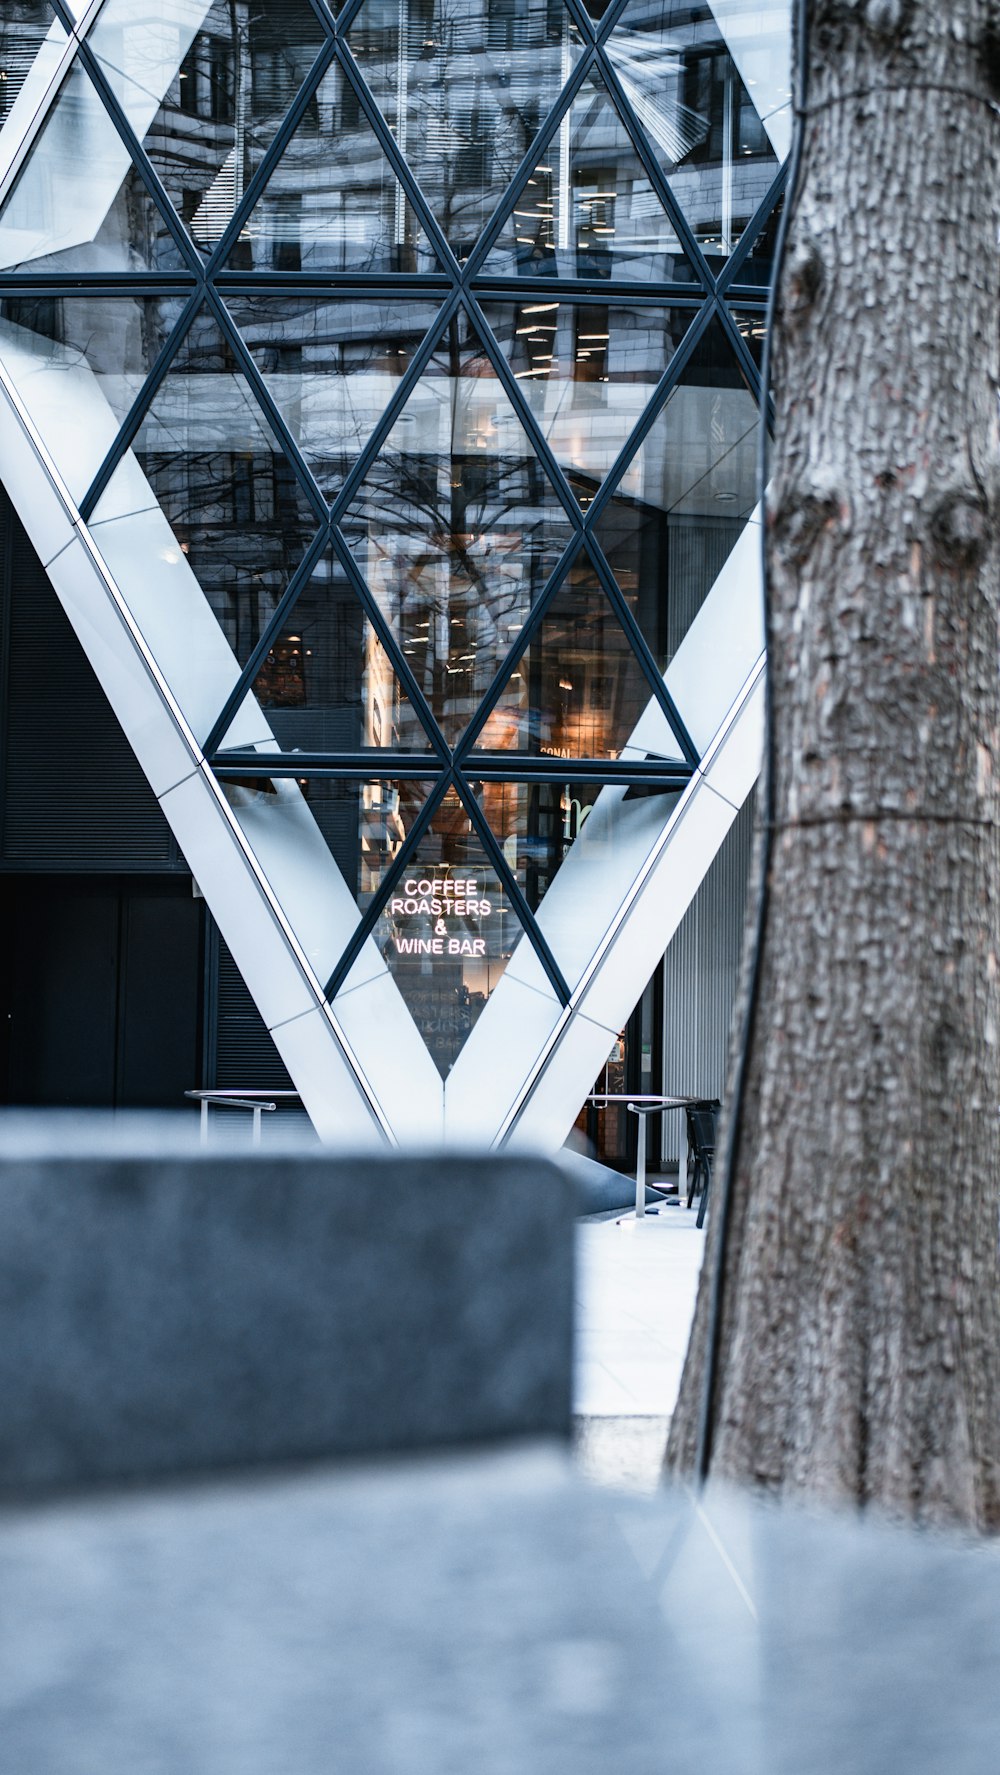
<point x="345" y="19"/>
<point x="751" y="234"/>
<point x="529" y="923"/>
<point x="642" y="652"/>
<point x="400" y="664"/>
<point x="611" y="19"/>
<point x="394" y="873"/>
<point x="137" y="154"/>
<point x="529" y="423"/>
<point x="544" y="134"/>
<point x="578" y="517"/>
<point x="518" y="648"/>
<point x="582" y="20"/>
<point x="670" y="380"/>
<point x="267" y="404"/>
<point x="244" y="683"/>
<point x="397" y="162"/>
<point x="397" y="401"/>
<point x="142" y="403"/>
<point x="654" y="172"/>
<point x="290" y="598"/>
<point x="272" y="154"/>
<point x="744" y="356"/>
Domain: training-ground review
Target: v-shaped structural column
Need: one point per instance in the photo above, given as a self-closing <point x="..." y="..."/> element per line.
<point x="623" y="888"/>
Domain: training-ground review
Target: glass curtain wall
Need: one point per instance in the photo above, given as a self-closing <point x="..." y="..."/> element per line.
<point x="429" y="331"/>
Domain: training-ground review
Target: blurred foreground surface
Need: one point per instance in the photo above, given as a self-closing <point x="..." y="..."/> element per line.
<point x="285" y="1490"/>
<point x="484" y="1612"/>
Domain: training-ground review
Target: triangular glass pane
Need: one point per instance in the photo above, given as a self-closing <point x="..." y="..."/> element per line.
<point x="31" y="42"/>
<point x="577" y="690"/>
<point x="79" y="205"/>
<point x="206" y="92"/>
<point x="465" y="94"/>
<point x="327" y="684"/>
<point x="685" y="496"/>
<point x="447" y="931"/>
<point x="456" y="526"/>
<point x="206" y="455"/>
<point x="333" y="202"/>
<point x="331" y="367"/>
<point x="537" y="824"/>
<point x="588" y="208"/>
<point x="587" y="371"/>
<point x="704" y="81"/>
<point x="752" y="323"/>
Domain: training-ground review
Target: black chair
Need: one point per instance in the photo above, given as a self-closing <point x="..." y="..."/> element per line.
<point x="701" y="1127"/>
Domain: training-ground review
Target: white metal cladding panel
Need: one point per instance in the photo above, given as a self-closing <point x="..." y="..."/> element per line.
<point x="701" y="971"/>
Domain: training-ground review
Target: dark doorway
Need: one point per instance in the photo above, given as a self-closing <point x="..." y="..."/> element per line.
<point x="102" y="990"/>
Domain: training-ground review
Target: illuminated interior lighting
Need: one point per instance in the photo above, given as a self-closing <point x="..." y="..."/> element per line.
<point x="538" y="307"/>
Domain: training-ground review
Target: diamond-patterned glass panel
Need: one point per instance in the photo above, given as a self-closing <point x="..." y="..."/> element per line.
<point x="331" y="367"/>
<point x="588" y="208"/>
<point x="587" y="371"/>
<point x="685" y="496"/>
<point x="455" y="533"/>
<point x="326" y="683"/>
<point x="447" y="931"/>
<point x="207" y="457"/>
<point x="205" y="91"/>
<point x="710" y="85"/>
<point x="456" y="526"/>
<point x="333" y="202"/>
<point x="577" y="689"/>
<point x="465" y="90"/>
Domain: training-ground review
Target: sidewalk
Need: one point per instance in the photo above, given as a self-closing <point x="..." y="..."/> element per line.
<point x="636" y="1285"/>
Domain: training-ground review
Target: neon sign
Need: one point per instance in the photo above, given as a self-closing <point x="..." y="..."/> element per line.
<point x="446" y="900"/>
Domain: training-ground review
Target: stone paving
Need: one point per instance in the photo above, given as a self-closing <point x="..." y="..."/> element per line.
<point x="636" y="1285"/>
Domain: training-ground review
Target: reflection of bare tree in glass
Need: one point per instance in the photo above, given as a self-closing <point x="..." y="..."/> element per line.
<point x="238" y="519"/>
<point x="458" y="546"/>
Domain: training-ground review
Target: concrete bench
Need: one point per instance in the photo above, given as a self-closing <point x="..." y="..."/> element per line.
<point x="165" y="1309"/>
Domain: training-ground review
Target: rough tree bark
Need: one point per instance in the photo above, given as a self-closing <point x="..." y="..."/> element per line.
<point x="860" y="1328"/>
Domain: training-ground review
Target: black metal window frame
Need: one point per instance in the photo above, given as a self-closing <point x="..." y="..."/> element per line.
<point x="709" y="297"/>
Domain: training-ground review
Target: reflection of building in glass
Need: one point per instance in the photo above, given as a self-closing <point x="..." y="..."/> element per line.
<point x="405" y="371"/>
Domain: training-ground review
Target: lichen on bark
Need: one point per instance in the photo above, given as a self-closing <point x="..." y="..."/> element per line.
<point x="859" y="1357"/>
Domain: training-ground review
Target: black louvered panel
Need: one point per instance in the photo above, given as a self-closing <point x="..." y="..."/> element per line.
<point x="247" y="1059"/>
<point x="245" y="1055"/>
<point x="75" y="797"/>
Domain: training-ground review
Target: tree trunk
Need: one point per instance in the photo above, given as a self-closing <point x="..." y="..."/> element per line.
<point x="859" y="1349"/>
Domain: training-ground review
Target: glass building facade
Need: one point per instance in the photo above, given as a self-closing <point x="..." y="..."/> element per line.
<point x="402" y="361"/>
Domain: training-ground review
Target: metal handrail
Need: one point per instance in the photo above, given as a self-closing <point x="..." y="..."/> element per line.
<point x="643" y="1104"/>
<point x="256" y="1101"/>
